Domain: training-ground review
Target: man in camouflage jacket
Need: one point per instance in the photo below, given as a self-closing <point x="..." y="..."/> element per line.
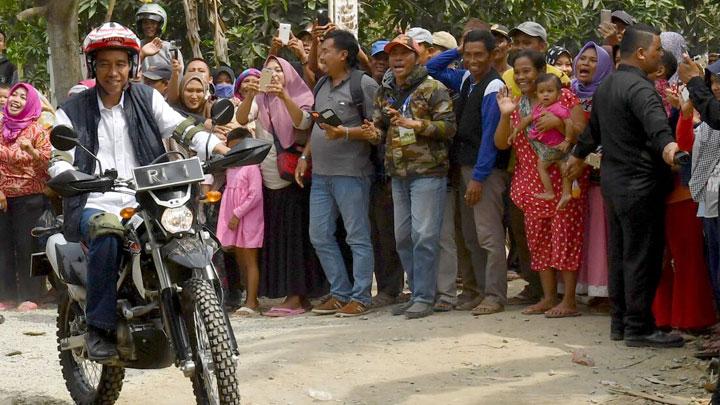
<point x="414" y="113"/>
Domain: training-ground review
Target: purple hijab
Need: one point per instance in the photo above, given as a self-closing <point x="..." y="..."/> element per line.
<point x="273" y="114"/>
<point x="604" y="67"/>
<point x="244" y="75"/>
<point x="12" y="125"/>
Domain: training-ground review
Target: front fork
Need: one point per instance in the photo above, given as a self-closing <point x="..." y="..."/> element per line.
<point x="210" y="274"/>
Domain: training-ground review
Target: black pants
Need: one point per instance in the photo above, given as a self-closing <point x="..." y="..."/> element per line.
<point x="635" y="252"/>
<point x="388" y="270"/>
<point x="16" y="246"/>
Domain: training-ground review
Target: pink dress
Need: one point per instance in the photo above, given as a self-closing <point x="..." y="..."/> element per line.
<point x="242" y="199"/>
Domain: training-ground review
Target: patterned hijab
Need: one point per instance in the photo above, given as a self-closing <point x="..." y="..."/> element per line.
<point x="605" y="66"/>
<point x="12" y="125"/>
<point x="554" y="53"/>
<point x="252" y="72"/>
<point x="674" y="43"/>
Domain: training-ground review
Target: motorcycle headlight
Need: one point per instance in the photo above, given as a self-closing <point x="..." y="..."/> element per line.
<point x="176" y="220"/>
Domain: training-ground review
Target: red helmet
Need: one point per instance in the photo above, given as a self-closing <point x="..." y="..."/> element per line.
<point x="111" y="35"/>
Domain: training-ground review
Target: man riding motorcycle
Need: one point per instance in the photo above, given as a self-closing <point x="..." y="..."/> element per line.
<point x="124" y="125"/>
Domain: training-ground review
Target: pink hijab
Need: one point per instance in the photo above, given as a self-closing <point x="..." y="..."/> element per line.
<point x="273" y="114"/>
<point x="12" y="125"/>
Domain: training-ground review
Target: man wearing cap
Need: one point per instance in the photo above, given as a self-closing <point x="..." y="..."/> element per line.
<point x="612" y="32"/>
<point x="502" y="47"/>
<point x="530" y="35"/>
<point x="483" y="169"/>
<point x="442" y="41"/>
<point x="158" y="76"/>
<point x="424" y="40"/>
<point x="378" y="60"/>
<point x="414" y="113"/>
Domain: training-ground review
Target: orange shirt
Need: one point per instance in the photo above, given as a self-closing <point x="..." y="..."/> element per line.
<point x="20" y="174"/>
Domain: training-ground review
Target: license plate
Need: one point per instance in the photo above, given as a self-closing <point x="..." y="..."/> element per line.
<point x="175" y="173"/>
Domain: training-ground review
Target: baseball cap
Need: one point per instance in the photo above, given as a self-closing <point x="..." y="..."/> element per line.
<point x="444" y="39"/>
<point x="402" y="40"/>
<point x="420" y="35"/>
<point x="624" y="17"/>
<point x="530" y="28"/>
<point x="305" y="30"/>
<point x="378" y="47"/>
<point x="158" y="72"/>
<point x="500" y="30"/>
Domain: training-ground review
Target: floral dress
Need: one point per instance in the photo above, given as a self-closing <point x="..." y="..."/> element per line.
<point x="555" y="238"/>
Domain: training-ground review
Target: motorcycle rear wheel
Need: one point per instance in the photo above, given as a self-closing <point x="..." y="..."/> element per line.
<point x="215" y="380"/>
<point x="87" y="382"/>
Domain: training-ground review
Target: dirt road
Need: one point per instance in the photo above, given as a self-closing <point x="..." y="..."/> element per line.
<point x="451" y="358"/>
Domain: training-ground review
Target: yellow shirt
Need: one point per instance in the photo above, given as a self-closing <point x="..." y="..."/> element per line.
<point x="509" y="79"/>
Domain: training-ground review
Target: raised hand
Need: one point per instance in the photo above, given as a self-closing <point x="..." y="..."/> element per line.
<point x="506" y="102"/>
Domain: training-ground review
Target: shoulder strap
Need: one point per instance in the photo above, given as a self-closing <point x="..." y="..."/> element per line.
<point x="397" y="104"/>
<point x="356" y="92"/>
<point x="319" y="85"/>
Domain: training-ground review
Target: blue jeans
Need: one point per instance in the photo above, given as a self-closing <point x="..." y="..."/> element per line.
<point x="350" y="197"/>
<point x="419" y="207"/>
<point x="103" y="265"/>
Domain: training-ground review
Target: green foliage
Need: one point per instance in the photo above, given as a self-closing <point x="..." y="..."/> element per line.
<point x="251" y="24"/>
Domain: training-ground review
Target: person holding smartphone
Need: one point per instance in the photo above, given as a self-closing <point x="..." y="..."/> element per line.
<point x="341" y="177"/>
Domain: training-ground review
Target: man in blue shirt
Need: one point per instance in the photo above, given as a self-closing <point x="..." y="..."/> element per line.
<point x="482" y="167"/>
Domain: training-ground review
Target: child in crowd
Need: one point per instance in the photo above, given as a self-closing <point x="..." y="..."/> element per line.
<point x="241" y="224"/>
<point x="550" y="146"/>
<point x="4" y="92"/>
<point x="661" y="77"/>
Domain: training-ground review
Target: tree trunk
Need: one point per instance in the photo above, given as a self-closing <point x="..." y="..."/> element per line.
<point x="220" y="41"/>
<point x="62" y="30"/>
<point x="193" y="29"/>
<point x="111" y="7"/>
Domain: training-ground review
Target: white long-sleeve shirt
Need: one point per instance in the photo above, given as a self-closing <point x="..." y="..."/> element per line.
<point x="115" y="148"/>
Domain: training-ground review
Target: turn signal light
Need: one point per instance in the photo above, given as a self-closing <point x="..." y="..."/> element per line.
<point x="127" y="213"/>
<point x="213" y="197"/>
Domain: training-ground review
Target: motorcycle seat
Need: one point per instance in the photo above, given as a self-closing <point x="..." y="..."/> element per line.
<point x="73" y="263"/>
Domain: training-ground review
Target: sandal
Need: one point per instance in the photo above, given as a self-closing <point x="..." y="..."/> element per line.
<point x="535" y="310"/>
<point x="279" y="312"/>
<point x="246" y="311"/>
<point x="487" y="308"/>
<point x="562" y="314"/>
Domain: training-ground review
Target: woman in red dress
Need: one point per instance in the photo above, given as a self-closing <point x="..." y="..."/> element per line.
<point x="555" y="237"/>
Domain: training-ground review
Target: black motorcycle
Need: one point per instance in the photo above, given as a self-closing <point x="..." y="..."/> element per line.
<point x="170" y="308"/>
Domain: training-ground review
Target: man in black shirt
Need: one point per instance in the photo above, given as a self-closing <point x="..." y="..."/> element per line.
<point x="8" y="71"/>
<point x="629" y="121"/>
<point x="700" y="94"/>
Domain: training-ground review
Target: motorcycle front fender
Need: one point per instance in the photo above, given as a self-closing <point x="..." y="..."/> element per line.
<point x="189" y="252"/>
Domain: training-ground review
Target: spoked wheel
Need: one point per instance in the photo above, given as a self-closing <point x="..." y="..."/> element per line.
<point x="214" y="381"/>
<point x="87" y="381"/>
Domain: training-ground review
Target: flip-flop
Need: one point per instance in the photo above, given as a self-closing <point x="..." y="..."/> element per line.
<point x="245" y="311"/>
<point x="278" y="312"/>
<point x="537" y="311"/>
<point x="572" y="314"/>
<point x="487" y="309"/>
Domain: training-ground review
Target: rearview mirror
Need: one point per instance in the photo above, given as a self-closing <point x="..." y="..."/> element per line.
<point x="63" y="138"/>
<point x="222" y="111"/>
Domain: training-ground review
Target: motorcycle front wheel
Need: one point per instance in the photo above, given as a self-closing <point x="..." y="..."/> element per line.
<point x="87" y="381"/>
<point x="214" y="381"/>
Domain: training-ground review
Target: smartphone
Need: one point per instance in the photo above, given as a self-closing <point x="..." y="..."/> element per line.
<point x="323" y="18"/>
<point x="684" y="95"/>
<point x="174" y="49"/>
<point x="326" y="117"/>
<point x="284" y="33"/>
<point x="605" y="16"/>
<point x="265" y="79"/>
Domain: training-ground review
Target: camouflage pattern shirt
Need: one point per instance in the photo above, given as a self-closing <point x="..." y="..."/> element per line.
<point x="430" y="103"/>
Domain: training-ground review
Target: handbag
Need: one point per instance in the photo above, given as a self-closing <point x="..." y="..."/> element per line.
<point x="287" y="161"/>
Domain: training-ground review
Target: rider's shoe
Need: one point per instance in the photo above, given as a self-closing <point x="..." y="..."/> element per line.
<point x="99" y="345"/>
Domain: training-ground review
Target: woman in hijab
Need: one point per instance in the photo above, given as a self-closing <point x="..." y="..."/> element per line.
<point x="561" y="58"/>
<point x="194" y="94"/>
<point x="24" y="156"/>
<point x="289" y="267"/>
<point x="241" y="91"/>
<point x="592" y="65"/>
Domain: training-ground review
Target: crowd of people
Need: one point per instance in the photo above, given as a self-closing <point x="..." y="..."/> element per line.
<point x="429" y="158"/>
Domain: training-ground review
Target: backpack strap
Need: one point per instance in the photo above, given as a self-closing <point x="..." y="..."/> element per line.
<point x="356" y="91"/>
